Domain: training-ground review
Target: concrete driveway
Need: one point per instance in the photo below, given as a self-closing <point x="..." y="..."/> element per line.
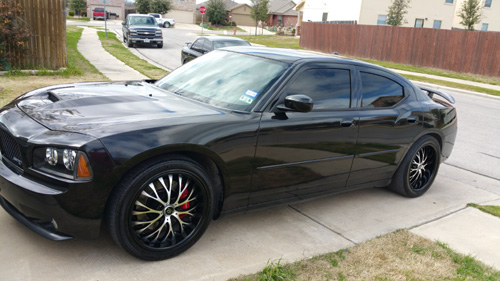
<point x="238" y="244"/>
<point x="244" y="243"/>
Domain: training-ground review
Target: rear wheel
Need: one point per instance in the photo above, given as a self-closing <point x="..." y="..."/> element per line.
<point x="166" y="24"/>
<point x="419" y="168"/>
<point x="161" y="210"/>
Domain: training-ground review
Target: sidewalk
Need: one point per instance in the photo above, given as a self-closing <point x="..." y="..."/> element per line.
<point x="466" y="230"/>
<point x="90" y="47"/>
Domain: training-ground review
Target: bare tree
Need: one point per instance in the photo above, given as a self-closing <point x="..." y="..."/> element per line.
<point x="397" y="12"/>
<point x="470" y="13"/>
<point x="259" y="11"/>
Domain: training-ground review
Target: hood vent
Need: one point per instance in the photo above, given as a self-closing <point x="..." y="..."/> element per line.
<point x="53" y="97"/>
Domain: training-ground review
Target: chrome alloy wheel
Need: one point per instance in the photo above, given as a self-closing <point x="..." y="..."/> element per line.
<point x="422" y="167"/>
<point x="167" y="210"/>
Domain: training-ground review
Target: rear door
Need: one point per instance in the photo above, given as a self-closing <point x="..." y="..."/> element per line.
<point x="390" y="119"/>
<point x="302" y="153"/>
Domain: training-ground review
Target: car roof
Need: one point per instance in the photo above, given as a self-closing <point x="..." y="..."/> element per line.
<point x="223" y="38"/>
<point x="292" y="56"/>
<point x="139" y="15"/>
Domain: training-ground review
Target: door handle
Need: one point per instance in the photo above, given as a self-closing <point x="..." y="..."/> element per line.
<point x="347" y="123"/>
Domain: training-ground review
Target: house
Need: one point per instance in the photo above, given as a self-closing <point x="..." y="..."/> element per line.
<point x="282" y="13"/>
<point x="441" y="14"/>
<point x="236" y="12"/>
<point x="182" y="11"/>
<point x="113" y="7"/>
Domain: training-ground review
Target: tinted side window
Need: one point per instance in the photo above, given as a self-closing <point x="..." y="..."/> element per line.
<point x="329" y="88"/>
<point x="198" y="44"/>
<point x="207" y="46"/>
<point x="379" y="91"/>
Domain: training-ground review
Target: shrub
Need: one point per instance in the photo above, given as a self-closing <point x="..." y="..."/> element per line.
<point x="13" y="35"/>
<point x="71" y="13"/>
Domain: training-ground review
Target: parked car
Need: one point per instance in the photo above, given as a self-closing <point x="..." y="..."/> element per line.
<point x="98" y="13"/>
<point x="163" y="22"/>
<point x="141" y="29"/>
<point x="236" y="129"/>
<point x="205" y="44"/>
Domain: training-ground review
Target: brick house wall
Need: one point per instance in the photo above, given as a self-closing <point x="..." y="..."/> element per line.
<point x="286" y="21"/>
<point x="113" y="6"/>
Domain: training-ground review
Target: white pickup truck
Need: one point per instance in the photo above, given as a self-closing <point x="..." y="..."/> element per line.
<point x="163" y="22"/>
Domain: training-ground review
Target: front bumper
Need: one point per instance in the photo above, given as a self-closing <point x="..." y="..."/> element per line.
<point x="37" y="207"/>
<point x="139" y="40"/>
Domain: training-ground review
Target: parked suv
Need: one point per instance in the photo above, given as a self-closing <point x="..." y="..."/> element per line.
<point x="141" y="29"/>
<point x="163" y="22"/>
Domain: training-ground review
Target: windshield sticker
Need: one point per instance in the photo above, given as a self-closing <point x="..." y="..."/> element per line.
<point x="246" y="99"/>
<point x="251" y="94"/>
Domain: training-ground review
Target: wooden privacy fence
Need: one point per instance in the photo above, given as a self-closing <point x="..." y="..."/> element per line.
<point x="46" y="21"/>
<point x="455" y="50"/>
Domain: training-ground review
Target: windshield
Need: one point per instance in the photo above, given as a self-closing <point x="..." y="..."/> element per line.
<point x="224" y="79"/>
<point x="142" y="21"/>
<point x="222" y="44"/>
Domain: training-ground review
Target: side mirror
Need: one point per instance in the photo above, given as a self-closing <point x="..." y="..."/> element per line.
<point x="124" y="23"/>
<point x="188" y="44"/>
<point x="299" y="103"/>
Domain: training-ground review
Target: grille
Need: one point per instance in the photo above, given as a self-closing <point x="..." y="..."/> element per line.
<point x="10" y="148"/>
<point x="143" y="34"/>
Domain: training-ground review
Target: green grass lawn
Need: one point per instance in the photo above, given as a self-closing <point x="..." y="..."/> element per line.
<point x="277" y="41"/>
<point x="400" y="255"/>
<point x="490" y="209"/>
<point x="77" y="18"/>
<point x="115" y="47"/>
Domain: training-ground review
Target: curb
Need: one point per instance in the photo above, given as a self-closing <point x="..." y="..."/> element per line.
<point x="456" y="90"/>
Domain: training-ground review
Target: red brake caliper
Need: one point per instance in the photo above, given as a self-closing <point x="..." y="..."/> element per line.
<point x="185" y="206"/>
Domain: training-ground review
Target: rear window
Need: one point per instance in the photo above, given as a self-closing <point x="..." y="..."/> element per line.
<point x="99" y="10"/>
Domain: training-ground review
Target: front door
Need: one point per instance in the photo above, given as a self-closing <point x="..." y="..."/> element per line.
<point x="302" y="153"/>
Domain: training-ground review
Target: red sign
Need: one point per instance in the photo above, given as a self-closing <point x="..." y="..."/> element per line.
<point x="203" y="9"/>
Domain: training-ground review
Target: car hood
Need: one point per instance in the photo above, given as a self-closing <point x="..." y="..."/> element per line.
<point x="93" y="107"/>
<point x="144" y="27"/>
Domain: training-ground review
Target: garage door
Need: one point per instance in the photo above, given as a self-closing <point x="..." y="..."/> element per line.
<point x="243" y="19"/>
<point x="180" y="16"/>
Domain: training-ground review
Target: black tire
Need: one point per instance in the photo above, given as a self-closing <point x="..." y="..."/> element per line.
<point x="129" y="43"/>
<point x="419" y="168"/>
<point x="159" y="45"/>
<point x="151" y="225"/>
<point x="166" y="24"/>
<point x="185" y="61"/>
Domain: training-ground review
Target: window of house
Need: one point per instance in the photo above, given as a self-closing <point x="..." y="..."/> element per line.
<point x="448" y="1"/>
<point x="329" y="88"/>
<point x="437" y="24"/>
<point x="484" y="27"/>
<point x="382" y="20"/>
<point x="325" y="17"/>
<point x="419" y="23"/>
<point x="379" y="91"/>
<point x="487" y="3"/>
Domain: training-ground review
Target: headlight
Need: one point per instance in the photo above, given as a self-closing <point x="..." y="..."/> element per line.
<point x="158" y="33"/>
<point x="62" y="162"/>
<point x="132" y="33"/>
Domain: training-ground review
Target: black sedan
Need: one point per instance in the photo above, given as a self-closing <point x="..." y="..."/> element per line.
<point x="203" y="45"/>
<point x="156" y="161"/>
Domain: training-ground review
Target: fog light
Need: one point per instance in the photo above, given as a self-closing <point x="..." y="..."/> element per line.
<point x="69" y="157"/>
<point x="51" y="156"/>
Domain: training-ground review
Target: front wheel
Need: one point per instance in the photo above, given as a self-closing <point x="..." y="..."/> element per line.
<point x="129" y="43"/>
<point x="159" y="45"/>
<point x="418" y="169"/>
<point x="162" y="209"/>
